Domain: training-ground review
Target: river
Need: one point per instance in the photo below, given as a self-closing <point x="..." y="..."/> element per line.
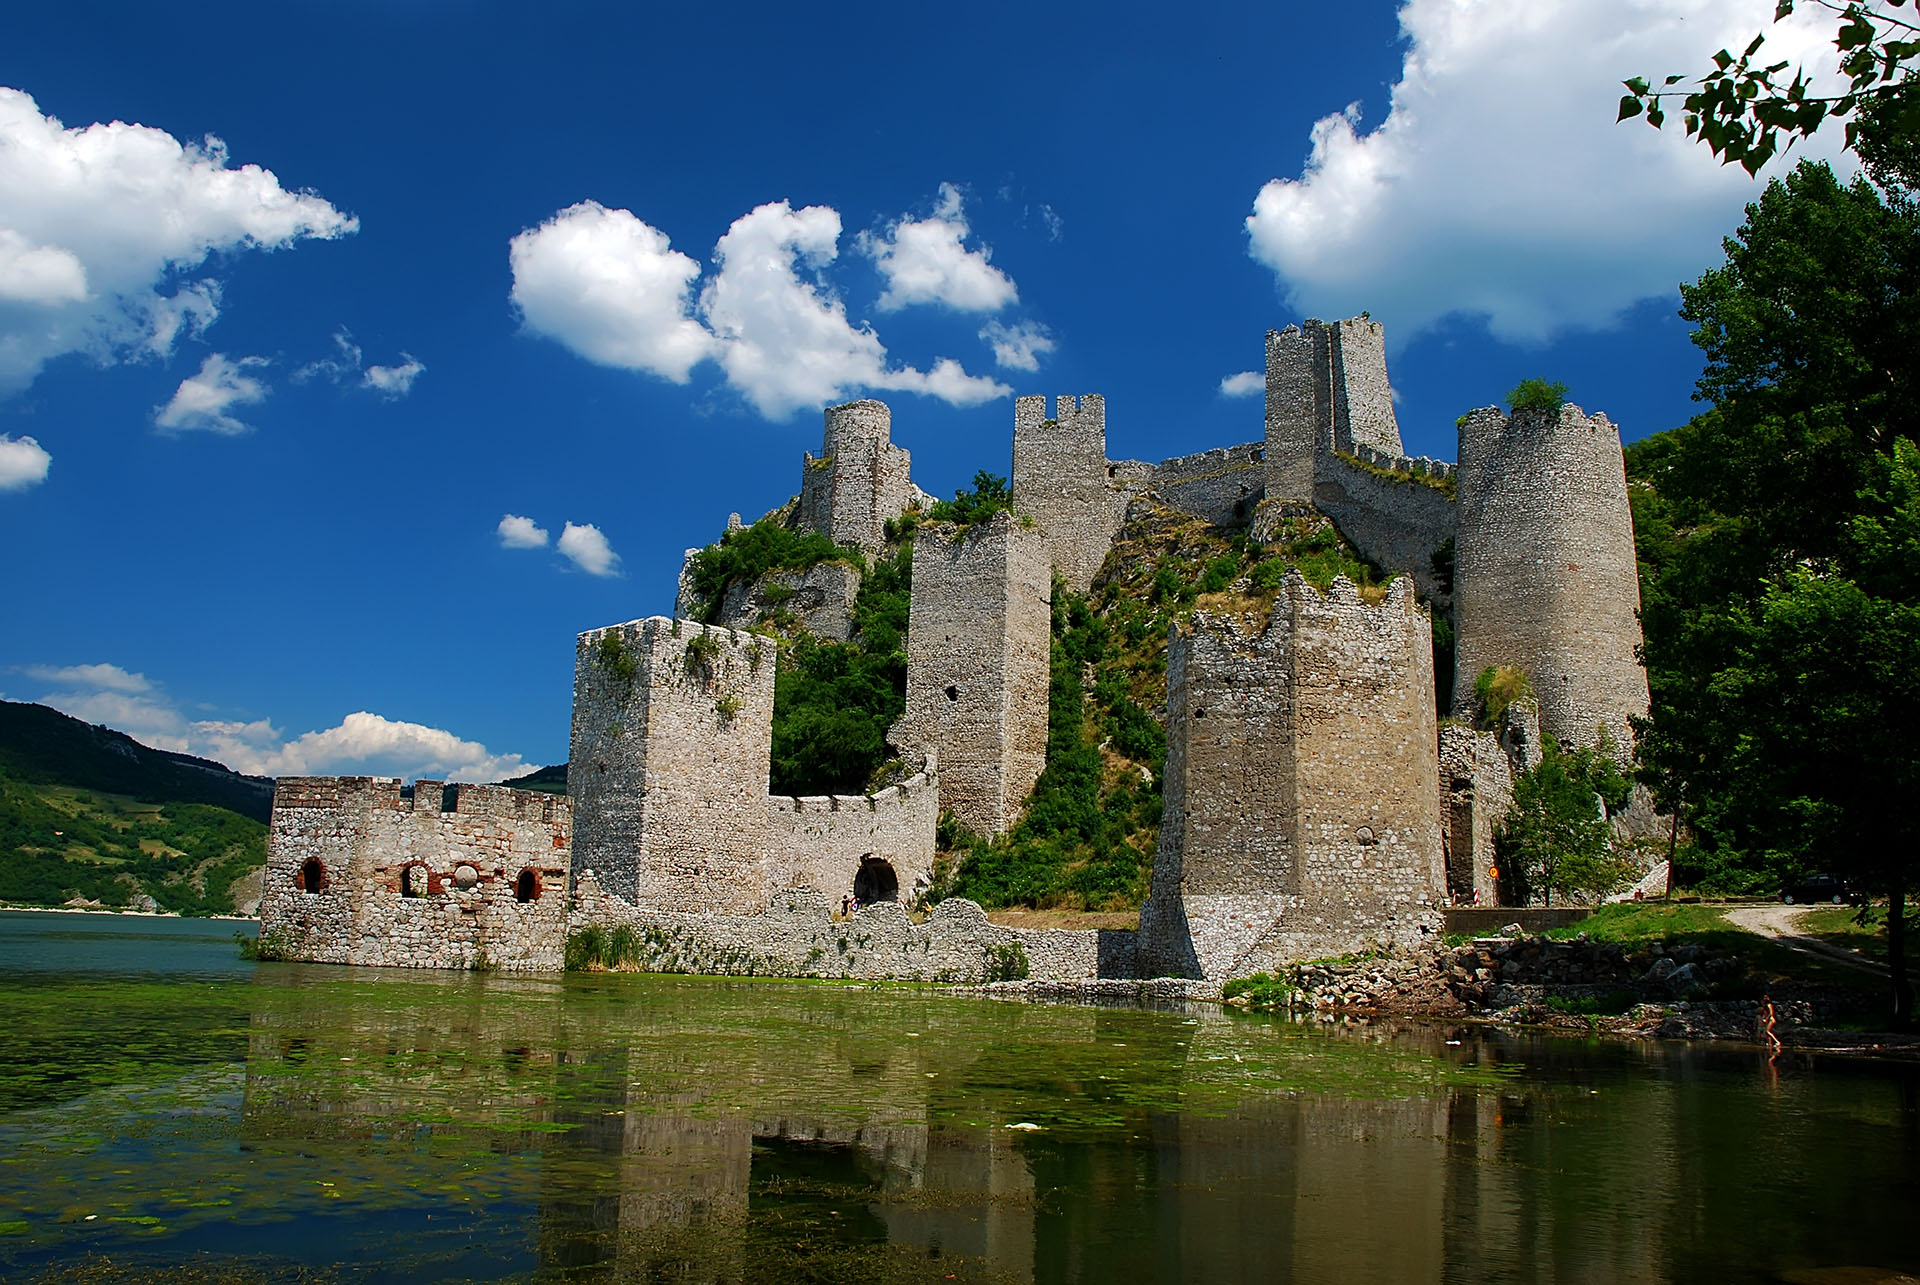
<point x="165" y="1106"/>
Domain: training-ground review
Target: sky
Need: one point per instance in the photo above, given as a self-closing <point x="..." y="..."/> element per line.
<point x="354" y="358"/>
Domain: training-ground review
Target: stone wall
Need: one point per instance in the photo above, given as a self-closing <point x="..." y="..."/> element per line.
<point x="360" y="871"/>
<point x="1392" y="520"/>
<point x="797" y="936"/>
<point x="820" y="598"/>
<point x="1302" y="786"/>
<point x="1221" y="485"/>
<point x="1298" y="411"/>
<point x="1476" y="791"/>
<point x="978" y="641"/>
<point x="1362" y="399"/>
<point x="1061" y="479"/>
<point x="860" y="479"/>
<point x="672" y="728"/>
<point x="1544" y="569"/>
<point x="825" y="840"/>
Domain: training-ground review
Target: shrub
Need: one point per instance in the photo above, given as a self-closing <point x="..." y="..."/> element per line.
<point x="585" y="948"/>
<point x="1007" y="963"/>
<point x="1262" y="990"/>
<point x="1537" y="395"/>
<point x="743" y="556"/>
<point x="1498" y="686"/>
<point x="988" y="496"/>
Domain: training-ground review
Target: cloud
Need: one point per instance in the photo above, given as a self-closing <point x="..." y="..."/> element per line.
<point x="520" y="533"/>
<point x="1248" y="383"/>
<point x="23" y="463"/>
<point x="362" y="743"/>
<point x="202" y="400"/>
<point x="589" y="550"/>
<point x="1056" y="226"/>
<point x="393" y="382"/>
<point x="926" y="261"/>
<point x="1499" y="186"/>
<point x="608" y="287"/>
<point x="108" y="677"/>
<point x="97" y="225"/>
<point x="390" y="382"/>
<point x="1019" y="346"/>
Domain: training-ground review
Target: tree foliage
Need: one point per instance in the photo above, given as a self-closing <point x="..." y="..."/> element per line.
<point x="1777" y="535"/>
<point x="988" y="496"/>
<point x="1557" y="837"/>
<point x="1537" y="395"/>
<point x="1744" y="111"/>
<point x="743" y="556"/>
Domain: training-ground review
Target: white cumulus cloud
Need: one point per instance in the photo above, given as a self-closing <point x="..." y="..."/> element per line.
<point x="1498" y="185"/>
<point x="610" y="288"/>
<point x="97" y="224"/>
<point x="23" y="463"/>
<point x="1018" y="346"/>
<point x="1247" y="383"/>
<point x="517" y="532"/>
<point x="927" y="261"/>
<point x="203" y="400"/>
<point x="361" y="744"/>
<point x="588" y="549"/>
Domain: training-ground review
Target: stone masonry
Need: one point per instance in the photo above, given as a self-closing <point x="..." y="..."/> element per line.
<point x="1302" y="787"/>
<point x="361" y="871"/>
<point x="978" y="646"/>
<point x="1544" y="570"/>
<point x="672" y="728"/>
<point x="1476" y="789"/>
<point x="860" y="479"/>
<point x="1061" y="480"/>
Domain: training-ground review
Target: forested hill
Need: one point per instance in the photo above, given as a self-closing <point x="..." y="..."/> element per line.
<point x="42" y="746"/>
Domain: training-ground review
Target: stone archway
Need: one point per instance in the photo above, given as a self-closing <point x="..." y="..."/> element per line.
<point x="876" y="881"/>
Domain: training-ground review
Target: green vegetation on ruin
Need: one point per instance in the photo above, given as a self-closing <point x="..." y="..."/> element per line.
<point x="58" y="843"/>
<point x="744" y="556"/>
<point x="1543" y="395"/>
<point x="1446" y="485"/>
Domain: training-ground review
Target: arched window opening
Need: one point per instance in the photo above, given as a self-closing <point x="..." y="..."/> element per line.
<point x="875" y="881"/>
<point x="527" y="887"/>
<point x="313" y="876"/>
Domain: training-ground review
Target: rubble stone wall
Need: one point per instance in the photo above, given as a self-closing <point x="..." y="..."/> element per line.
<point x="1221" y="486"/>
<point x="822" y="840"/>
<point x="1302" y="786"/>
<point x="360" y="871"/>
<point x="1544" y="570"/>
<point x="1394" y="521"/>
<point x="1476" y="791"/>
<point x="978" y="649"/>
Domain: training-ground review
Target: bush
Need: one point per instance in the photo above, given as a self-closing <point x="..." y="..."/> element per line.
<point x="1537" y="395"/>
<point x="1498" y="686"/>
<point x="988" y="496"/>
<point x="1007" y="963"/>
<point x="1264" y="991"/>
<point x="743" y="556"/>
<point x="586" y="948"/>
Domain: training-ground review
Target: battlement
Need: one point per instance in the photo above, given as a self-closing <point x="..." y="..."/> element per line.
<point x="370" y="793"/>
<point x="1418" y="466"/>
<point x="1062" y="480"/>
<point x="1327" y="391"/>
<point x="858" y="422"/>
<point x="1302" y="797"/>
<point x="877" y="843"/>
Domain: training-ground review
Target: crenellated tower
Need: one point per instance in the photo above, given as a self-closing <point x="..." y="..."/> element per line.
<point x="1061" y="479"/>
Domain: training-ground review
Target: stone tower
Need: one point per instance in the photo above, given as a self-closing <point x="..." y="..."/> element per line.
<point x="978" y="640"/>
<point x="1327" y="390"/>
<point x="1544" y="570"/>
<point x="1060" y="479"/>
<point x="1302" y="786"/>
<point x="860" y="479"/>
<point x="672" y="724"/>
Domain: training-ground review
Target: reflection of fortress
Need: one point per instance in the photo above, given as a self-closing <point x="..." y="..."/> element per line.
<point x="1313" y="802"/>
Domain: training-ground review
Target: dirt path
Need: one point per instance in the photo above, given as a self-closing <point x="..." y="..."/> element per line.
<point x="1782" y="923"/>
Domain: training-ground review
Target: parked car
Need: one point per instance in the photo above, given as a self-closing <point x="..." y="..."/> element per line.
<point x="1816" y="888"/>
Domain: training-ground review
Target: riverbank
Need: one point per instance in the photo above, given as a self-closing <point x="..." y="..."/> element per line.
<point x="125" y="914"/>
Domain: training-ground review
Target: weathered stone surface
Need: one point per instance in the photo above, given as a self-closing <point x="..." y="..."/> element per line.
<point x="859" y="480"/>
<point x="1544" y="570"/>
<point x="1476" y="790"/>
<point x="978" y="643"/>
<point x="824" y="842"/>
<point x="1302" y="787"/>
<point x="361" y="872"/>
<point x="819" y="598"/>
<point x="1061" y="479"/>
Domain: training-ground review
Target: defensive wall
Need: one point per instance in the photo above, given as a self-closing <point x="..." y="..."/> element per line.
<point x="1302" y="786"/>
<point x="978" y="649"/>
<point x="1545" y="575"/>
<point x="1390" y="509"/>
<point x="361" y="871"/>
<point x="879" y="846"/>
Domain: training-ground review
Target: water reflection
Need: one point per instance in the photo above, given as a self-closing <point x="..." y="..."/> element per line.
<point x="416" y="1126"/>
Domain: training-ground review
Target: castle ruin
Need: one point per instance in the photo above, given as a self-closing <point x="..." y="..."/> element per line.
<point x="1313" y="805"/>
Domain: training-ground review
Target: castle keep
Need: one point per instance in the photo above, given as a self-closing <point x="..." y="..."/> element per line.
<point x="1312" y="803"/>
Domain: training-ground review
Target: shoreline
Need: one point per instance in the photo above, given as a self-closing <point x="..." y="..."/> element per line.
<point x="127" y="914"/>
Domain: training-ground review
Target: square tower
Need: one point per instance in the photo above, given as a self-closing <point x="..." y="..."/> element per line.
<point x="978" y="646"/>
<point x="672" y="729"/>
<point x="1060" y="479"/>
<point x="860" y="479"/>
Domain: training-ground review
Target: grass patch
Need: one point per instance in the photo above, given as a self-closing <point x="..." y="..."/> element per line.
<point x="1264" y="992"/>
<point x="1861" y="928"/>
<point x="1648" y="921"/>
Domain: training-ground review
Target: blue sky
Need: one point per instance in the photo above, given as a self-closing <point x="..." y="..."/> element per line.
<point x="265" y="401"/>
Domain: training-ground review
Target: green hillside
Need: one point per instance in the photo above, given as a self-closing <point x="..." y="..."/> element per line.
<point x="88" y="814"/>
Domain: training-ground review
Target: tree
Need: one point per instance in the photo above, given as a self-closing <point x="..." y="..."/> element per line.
<point x="1557" y="836"/>
<point x="1779" y="542"/>
<point x="1743" y="109"/>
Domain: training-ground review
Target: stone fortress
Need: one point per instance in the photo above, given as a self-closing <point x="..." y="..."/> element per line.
<point x="1315" y="802"/>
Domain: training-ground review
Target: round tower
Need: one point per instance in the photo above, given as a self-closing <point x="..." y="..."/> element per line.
<point x="1544" y="571"/>
<point x="862" y="421"/>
